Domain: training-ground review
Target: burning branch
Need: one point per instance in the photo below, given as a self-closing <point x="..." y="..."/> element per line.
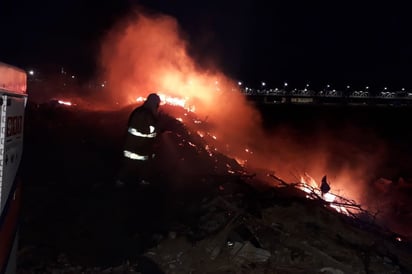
<point x="347" y="207"/>
<point x="341" y="204"/>
<point x="279" y="180"/>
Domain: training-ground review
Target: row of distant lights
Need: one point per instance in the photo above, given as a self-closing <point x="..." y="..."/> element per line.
<point x="263" y="84"/>
<point x="31" y="73"/>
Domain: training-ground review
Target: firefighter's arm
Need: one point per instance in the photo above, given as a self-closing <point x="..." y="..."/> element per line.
<point x="166" y="123"/>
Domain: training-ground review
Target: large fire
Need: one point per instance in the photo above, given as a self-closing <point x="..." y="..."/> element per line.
<point x="147" y="53"/>
<point x="307" y="183"/>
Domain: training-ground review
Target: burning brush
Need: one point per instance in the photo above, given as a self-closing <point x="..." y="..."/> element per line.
<point x="188" y="147"/>
<point x="315" y="191"/>
<point x="200" y="151"/>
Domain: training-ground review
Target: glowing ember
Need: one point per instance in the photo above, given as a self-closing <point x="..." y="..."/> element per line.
<point x="229" y="169"/>
<point x="191" y="144"/>
<point x="241" y="161"/>
<point x="209" y="150"/>
<point x="248" y="151"/>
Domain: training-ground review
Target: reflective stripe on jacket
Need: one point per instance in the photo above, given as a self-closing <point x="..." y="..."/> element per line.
<point x="135" y="156"/>
<point x="141" y="133"/>
<point x="137" y="133"/>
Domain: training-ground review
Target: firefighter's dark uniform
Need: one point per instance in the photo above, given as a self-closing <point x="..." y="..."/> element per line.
<point x="143" y="206"/>
<point x="139" y="143"/>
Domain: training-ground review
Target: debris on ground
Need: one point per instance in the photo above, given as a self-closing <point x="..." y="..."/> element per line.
<point x="217" y="217"/>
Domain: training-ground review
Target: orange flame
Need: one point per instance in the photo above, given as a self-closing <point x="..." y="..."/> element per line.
<point x="309" y="185"/>
<point x="146" y="53"/>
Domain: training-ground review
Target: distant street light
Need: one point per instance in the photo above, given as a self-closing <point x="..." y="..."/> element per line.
<point x="31" y="72"/>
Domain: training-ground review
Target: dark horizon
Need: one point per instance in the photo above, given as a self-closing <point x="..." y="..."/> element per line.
<point x="347" y="44"/>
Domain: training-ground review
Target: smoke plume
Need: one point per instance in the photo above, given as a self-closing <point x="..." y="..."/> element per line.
<point x="147" y="53"/>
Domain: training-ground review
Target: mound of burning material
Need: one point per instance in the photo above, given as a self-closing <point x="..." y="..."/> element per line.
<point x="187" y="148"/>
<point x="231" y="223"/>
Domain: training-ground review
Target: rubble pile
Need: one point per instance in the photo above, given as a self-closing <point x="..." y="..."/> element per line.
<point x="222" y="218"/>
<point x="280" y="231"/>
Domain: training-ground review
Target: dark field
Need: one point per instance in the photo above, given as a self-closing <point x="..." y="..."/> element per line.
<point x="71" y="157"/>
<point x="362" y="128"/>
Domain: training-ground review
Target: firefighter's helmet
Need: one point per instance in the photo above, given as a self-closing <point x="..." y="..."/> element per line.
<point x="152" y="102"/>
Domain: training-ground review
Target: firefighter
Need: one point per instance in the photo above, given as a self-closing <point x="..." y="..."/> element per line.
<point x="138" y="149"/>
<point x="142" y="207"/>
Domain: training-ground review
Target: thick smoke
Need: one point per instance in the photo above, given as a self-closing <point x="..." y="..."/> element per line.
<point x="147" y="53"/>
<point x="348" y="155"/>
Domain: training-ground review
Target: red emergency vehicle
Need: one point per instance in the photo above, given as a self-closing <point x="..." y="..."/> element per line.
<point x="13" y="99"/>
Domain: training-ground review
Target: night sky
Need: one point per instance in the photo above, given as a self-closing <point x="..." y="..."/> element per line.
<point x="330" y="42"/>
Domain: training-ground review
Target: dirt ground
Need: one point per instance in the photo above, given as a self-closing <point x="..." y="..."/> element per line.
<point x="74" y="220"/>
